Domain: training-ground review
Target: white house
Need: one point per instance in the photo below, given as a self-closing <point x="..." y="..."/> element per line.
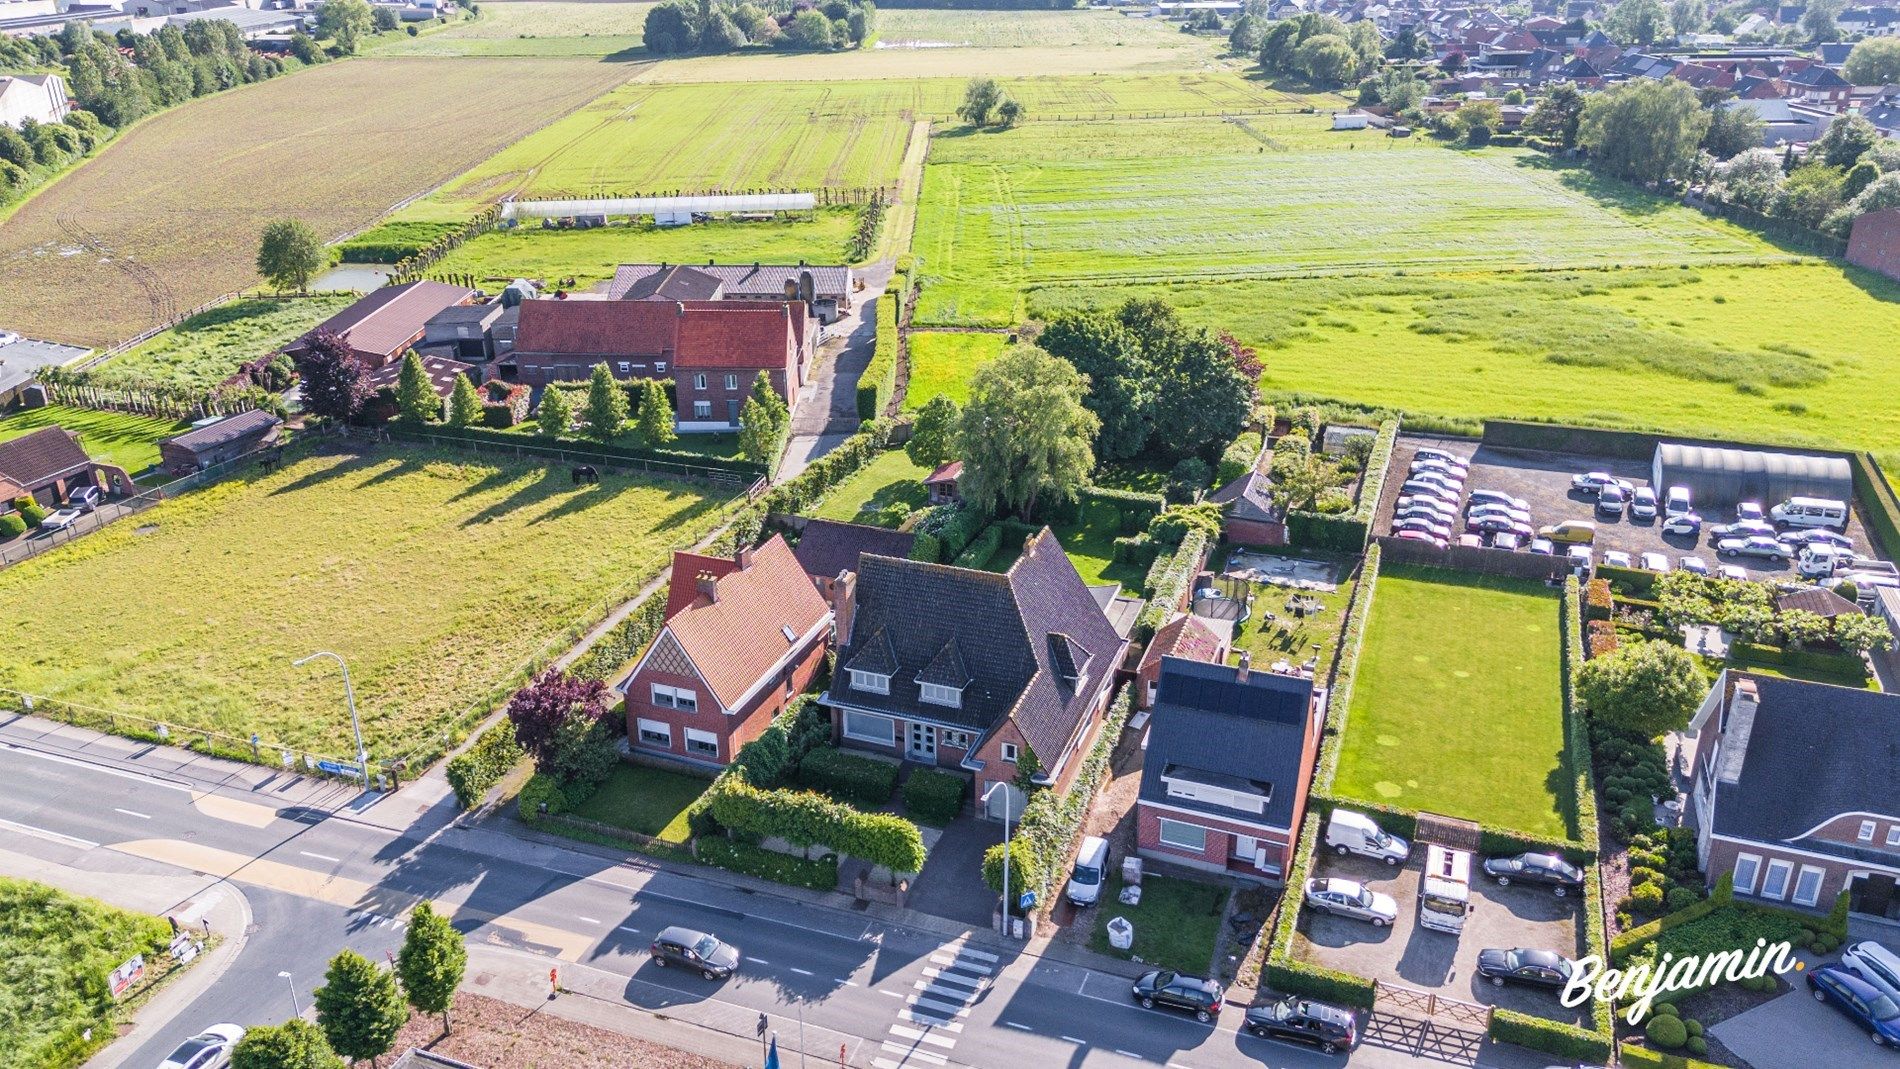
<point x="40" y="97"/>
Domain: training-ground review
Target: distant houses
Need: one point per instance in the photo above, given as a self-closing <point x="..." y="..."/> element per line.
<point x="38" y="97"/>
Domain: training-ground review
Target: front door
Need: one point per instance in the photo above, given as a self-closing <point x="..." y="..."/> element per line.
<point x="923" y="743"/>
<point x="732" y="412"/>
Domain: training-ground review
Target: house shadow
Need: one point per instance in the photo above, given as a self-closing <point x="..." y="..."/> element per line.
<point x="1872" y="283"/>
<point x="1429" y="958"/>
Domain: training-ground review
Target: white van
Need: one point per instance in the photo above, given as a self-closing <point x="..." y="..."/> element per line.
<point x="1348" y="832"/>
<point x="1810" y="512"/>
<point x="1091" y="868"/>
<point x="1444" y="897"/>
<point x="1822" y="561"/>
<point x="1676" y="501"/>
<point x="1875" y="964"/>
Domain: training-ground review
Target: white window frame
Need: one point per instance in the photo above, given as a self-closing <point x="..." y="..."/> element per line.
<point x="1893" y="835"/>
<point x="662" y="695"/>
<point x="1010" y="752"/>
<point x="1753" y="861"/>
<point x="732" y="381"/>
<point x="1866" y="831"/>
<point x="699" y="381"/>
<point x="686" y="701"/>
<point x="702" y="409"/>
<point x="1776" y="866"/>
<point x="642" y="726"/>
<point x="888" y="739"/>
<point x="1820" y="880"/>
<point x="1166" y="825"/>
<point x="956" y="740"/>
<point x="938" y="694"/>
<point x="626" y="367"/>
<point x="659" y="366"/>
<point x="702" y="739"/>
<point x="1220" y="796"/>
<point x="870" y="682"/>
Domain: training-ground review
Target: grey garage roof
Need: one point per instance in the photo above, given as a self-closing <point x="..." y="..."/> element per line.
<point x="1725" y="475"/>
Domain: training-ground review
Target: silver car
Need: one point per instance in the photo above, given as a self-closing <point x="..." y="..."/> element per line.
<point x="1875" y="964"/>
<point x="1755" y="546"/>
<point x="1350" y="898"/>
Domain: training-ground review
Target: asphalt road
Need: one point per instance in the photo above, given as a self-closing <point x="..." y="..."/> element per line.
<point x="897" y="998"/>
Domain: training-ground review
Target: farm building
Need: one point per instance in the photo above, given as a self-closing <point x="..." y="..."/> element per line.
<point x="665" y="211"/>
<point x="217" y="440"/>
<point x="382" y="326"/>
<point x="49" y="464"/>
<point x="441" y="372"/>
<point x="40" y="97"/>
<point x="826" y="289"/>
<point x="1351" y="120"/>
<point x="1720" y="476"/>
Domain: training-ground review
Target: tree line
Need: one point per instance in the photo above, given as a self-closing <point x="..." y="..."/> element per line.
<point x="710" y="26"/>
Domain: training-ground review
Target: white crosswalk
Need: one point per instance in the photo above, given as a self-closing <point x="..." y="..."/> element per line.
<point x="928" y="1026"/>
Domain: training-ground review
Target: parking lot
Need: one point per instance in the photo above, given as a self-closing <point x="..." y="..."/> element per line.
<point x="1542" y="480"/>
<point x="1502" y="917"/>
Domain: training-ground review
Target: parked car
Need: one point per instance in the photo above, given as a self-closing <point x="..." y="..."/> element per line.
<point x="1438" y="479"/>
<point x="1165" y="989"/>
<point x="1436" y="530"/>
<point x="209" y="1049"/>
<point x="1676" y="501"/>
<point x="1616" y="558"/>
<point x="1875" y="964"/>
<point x="1544" y="546"/>
<point x="1541" y="968"/>
<point x="1579" y="532"/>
<point x="1746" y="511"/>
<point x="1352" y="899"/>
<point x="694" y="950"/>
<point x="61" y="519"/>
<point x="1493" y="509"/>
<point x="1592" y="482"/>
<point x="1471" y="541"/>
<point x="1682" y="523"/>
<point x="1423" y="536"/>
<point x="1817" y="536"/>
<point x="1859" y="1001"/>
<point x="1611" y="500"/>
<point x="1415" y="488"/>
<point x="1764" y="546"/>
<point x="1693" y="564"/>
<point x="1548" y="869"/>
<point x="1423" y="507"/>
<point x="1507" y="540"/>
<point x="1810" y="512"/>
<point x="1654" y="562"/>
<point x="1085" y="881"/>
<point x="86" y="498"/>
<point x="1582" y="559"/>
<point x="1741" y="529"/>
<point x="1304" y="1020"/>
<point x="1498" y="497"/>
<point x="1495" y="523"/>
<point x="1733" y="572"/>
<point x="1438" y="467"/>
<point x="1351" y="832"/>
<point x="1442" y="457"/>
<point x="1643" y="504"/>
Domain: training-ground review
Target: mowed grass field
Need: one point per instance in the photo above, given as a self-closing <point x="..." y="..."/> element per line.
<point x="1052" y="204"/>
<point x="941" y="362"/>
<point x="901" y="27"/>
<point x="590" y="256"/>
<point x="438" y="577"/>
<point x="168" y="216"/>
<point x="207" y="348"/>
<point x="535" y="28"/>
<point x="123" y="438"/>
<point x="1457" y="706"/>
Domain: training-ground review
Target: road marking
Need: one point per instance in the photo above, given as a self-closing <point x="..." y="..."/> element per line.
<point x="1080" y="1042"/>
<point x="758" y="961"/>
<point x="624" y="928"/>
<point x="1130" y="1054"/>
<point x="321" y="857"/>
<point x="1178" y="1065"/>
<point x="956" y="1009"/>
<point x="1018" y="1027"/>
<point x="971" y="982"/>
<point x="951" y="962"/>
<point x="802" y="972"/>
<point x="121" y="773"/>
<point x="930" y="1056"/>
<point x="920" y="1036"/>
<point x="45" y="833"/>
<point x="587" y="920"/>
<point x="132" y="813"/>
<point x="847" y="981"/>
<point x="980" y="955"/>
<point x="893" y="994"/>
<point x="947" y="992"/>
<point x="932" y="1021"/>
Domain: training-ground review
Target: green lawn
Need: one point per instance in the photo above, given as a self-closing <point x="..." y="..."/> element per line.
<point x="889" y="480"/>
<point x="128" y="440"/>
<point x="1175" y="925"/>
<point x="1293" y="638"/>
<point x="1457" y="707"/>
<point x="1090" y="544"/>
<point x="439" y="576"/>
<point x="204" y="350"/>
<point x="56" y="951"/>
<point x="942" y="363"/>
<point x="645" y="800"/>
<point x="535" y="28"/>
<point x="712" y="445"/>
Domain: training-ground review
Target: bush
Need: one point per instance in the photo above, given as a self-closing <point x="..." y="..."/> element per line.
<point x="1647" y="898"/>
<point x="1138" y="550"/>
<point x="1327" y="985"/>
<point x="805" y="819"/>
<point x="1168" y="580"/>
<point x="11" y="526"/>
<point x="541" y="790"/>
<point x="1680" y="898"/>
<point x="1188" y="478"/>
<point x="472" y="772"/>
<point x="1694" y="1026"/>
<point x="1597" y="602"/>
<point x="982" y="548"/>
<point x="849" y="777"/>
<point x="816" y="875"/>
<point x="1239" y="459"/>
<point x="933" y="796"/>
<point x="1696" y="1044"/>
<point x="1537" y="1033"/>
<point x="1666" y="1031"/>
<point x="32" y="514"/>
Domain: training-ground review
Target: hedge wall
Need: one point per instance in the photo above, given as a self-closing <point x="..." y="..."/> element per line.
<point x="1168" y="581"/>
<point x="1347" y="532"/>
<point x="1339" y="696"/>
<point x="1637" y="582"/>
<point x="1582" y="813"/>
<point x="517" y="440"/>
<point x="982" y="547"/>
<point x="807" y="819"/>
<point x="877" y="385"/>
<point x="1566" y="438"/>
<point x="933" y="796"/>
<point x="473" y="771"/>
<point x="624" y="642"/>
<point x="1537" y="1033"/>
<point x="1878" y="503"/>
<point x="1635" y="1057"/>
<point x="847" y="776"/>
<point x="1051" y="824"/>
<point x="820" y="874"/>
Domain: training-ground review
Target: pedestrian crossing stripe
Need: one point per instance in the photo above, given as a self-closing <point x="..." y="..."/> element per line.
<point x="931" y="1020"/>
<point x="971" y="982"/>
<point x="950" y="1008"/>
<point x="921" y="1036"/>
<point x="912" y="1054"/>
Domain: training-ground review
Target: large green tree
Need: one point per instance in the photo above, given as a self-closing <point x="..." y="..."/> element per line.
<point x="1327" y="61"/>
<point x="1874" y="61"/>
<point x="933" y="435"/>
<point x="359" y="1007"/>
<point x="295" y="1044"/>
<point x="762" y="422"/>
<point x="1557" y="115"/>
<point x="1636" y="22"/>
<point x="431" y="962"/>
<point x="655" y="418"/>
<point x="1846" y="139"/>
<point x="1025" y="433"/>
<point x="1119" y="394"/>
<point x="980" y="100"/>
<point x="416" y="400"/>
<point x="606" y="408"/>
<point x="1648" y="688"/>
<point x="344" y="21"/>
<point x="1733" y="131"/>
<point x="289" y="254"/>
<point x="1646" y="130"/>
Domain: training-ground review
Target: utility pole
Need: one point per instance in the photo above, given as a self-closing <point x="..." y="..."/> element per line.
<point x="349" y="696"/>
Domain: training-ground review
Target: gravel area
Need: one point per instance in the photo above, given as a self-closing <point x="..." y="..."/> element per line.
<point x="493" y="1033"/>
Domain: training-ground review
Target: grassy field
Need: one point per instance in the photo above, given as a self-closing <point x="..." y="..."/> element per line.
<point x="1175" y="925"/>
<point x="438" y="578"/>
<point x="599" y="28"/>
<point x="1457" y="706"/>
<point x="942" y="363"/>
<point x="901" y="27"/>
<point x="888" y="480"/>
<point x="130" y="441"/>
<point x="204" y="350"/>
<point x="591" y="255"/>
<point x="1266" y="196"/>
<point x="168" y="216"/>
<point x="56" y="952"/>
<point x="645" y="800"/>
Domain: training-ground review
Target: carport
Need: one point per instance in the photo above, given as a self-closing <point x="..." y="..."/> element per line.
<point x="1720" y="476"/>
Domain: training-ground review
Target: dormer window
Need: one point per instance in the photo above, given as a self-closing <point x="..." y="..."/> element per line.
<point x="873" y="682"/>
<point x="938" y="694"/>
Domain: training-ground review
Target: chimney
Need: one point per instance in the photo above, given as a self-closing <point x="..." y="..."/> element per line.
<point x="1244" y="667"/>
<point x="743" y="558"/>
<point x="708" y="585"/>
<point x="844" y="606"/>
<point x="1743" y="701"/>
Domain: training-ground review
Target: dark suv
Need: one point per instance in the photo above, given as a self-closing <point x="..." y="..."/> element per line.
<point x="1176" y="992"/>
<point x="1330" y="1028"/>
<point x="695" y="950"/>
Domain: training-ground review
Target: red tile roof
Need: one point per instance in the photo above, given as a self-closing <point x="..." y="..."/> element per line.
<point x="35" y="459"/>
<point x="381" y="325"/>
<point x="1184" y="636"/>
<point x="736" y="638"/>
<point x="598" y="328"/>
<point x="736" y="334"/>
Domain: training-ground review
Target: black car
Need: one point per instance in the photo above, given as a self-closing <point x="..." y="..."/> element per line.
<point x="695" y="950"/>
<point x="1560" y="875"/>
<point x="1541" y="968"/>
<point x="1176" y="992"/>
<point x="1330" y="1028"/>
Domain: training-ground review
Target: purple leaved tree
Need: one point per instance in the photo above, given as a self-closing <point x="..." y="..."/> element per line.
<point x="542" y="710"/>
<point x="333" y="383"/>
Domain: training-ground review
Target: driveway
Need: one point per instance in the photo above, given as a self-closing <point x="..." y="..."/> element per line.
<point x="828" y="405"/>
<point x="951" y="885"/>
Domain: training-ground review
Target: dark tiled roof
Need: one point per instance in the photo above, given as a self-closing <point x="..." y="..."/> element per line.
<point x="42" y="456"/>
<point x="874" y="655"/>
<point x="1817" y="599"/>
<point x="1248" y="497"/>
<point x="743" y="279"/>
<point x="946" y="668"/>
<point x="827" y="547"/>
<point x="1208" y="723"/>
<point x="387" y="319"/>
<point x="225" y="430"/>
<point x="676" y="283"/>
<point x="1814" y="752"/>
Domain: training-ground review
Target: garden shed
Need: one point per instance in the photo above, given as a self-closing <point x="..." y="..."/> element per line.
<point x="1718" y="476"/>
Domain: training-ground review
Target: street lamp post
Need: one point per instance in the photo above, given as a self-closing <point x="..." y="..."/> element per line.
<point x="1004" y="784"/>
<point x="295" y="1008"/>
<point x="349" y="695"/>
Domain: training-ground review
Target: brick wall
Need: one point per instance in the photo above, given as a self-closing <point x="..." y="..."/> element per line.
<point x="1220" y="842"/>
<point x="1875" y="242"/>
<point x="1255" y="533"/>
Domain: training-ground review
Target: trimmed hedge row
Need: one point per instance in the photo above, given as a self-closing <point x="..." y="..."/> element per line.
<point x="847" y="776"/>
<point x="1537" y="1033"/>
<point x="1877" y="501"/>
<point x="947" y="530"/>
<point x="1282" y="972"/>
<point x="1831" y="662"/>
<point x="473" y="771"/>
<point x="1635" y="1057"/>
<point x="624" y="642"/>
<point x="934" y="796"/>
<point x="807" y="819"/>
<point x="1637" y="582"/>
<point x="514" y="440"/>
<point x="1642" y="935"/>
<point x="818" y="875"/>
<point x="1136" y="507"/>
<point x="981" y="548"/>
<point x="877" y="385"/>
<point x="1168" y="581"/>
<point x="1347" y="532"/>
<point x="1583" y="796"/>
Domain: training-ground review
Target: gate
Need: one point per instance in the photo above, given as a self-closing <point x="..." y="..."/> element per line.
<point x="1427" y="1025"/>
<point x="1426" y="1005"/>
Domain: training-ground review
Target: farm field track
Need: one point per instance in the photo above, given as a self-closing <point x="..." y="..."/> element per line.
<point x="168" y="215"/>
<point x="1684" y="350"/>
<point x="601" y="28"/>
<point x="1257" y="196"/>
<point x="439" y="576"/>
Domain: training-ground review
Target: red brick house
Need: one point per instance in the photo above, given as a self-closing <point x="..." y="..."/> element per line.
<point x="1795" y="792"/>
<point x="1250" y="516"/>
<point x="1228" y="765"/>
<point x="1187" y="636"/>
<point x="972" y="670"/>
<point x="47" y="465"/>
<point x="712" y="350"/>
<point x="388" y="322"/>
<point x="742" y="638"/>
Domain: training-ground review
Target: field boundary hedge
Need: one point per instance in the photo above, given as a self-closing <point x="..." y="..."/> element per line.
<point x="695" y="463"/>
<point x="1345" y="669"/>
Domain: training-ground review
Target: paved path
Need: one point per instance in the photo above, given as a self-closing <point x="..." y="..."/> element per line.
<point x="828" y="405"/>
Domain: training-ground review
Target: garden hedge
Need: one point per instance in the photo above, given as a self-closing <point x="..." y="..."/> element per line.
<point x="1538" y="1033"/>
<point x="1635" y="1057"/>
<point x="1169" y="578"/>
<point x="877" y="384"/>
<point x="1347" y="532"/>
<point x="529" y="443"/>
<point x="1878" y="504"/>
<point x="1051" y="824"/>
<point x="1282" y="971"/>
<point x="473" y="771"/>
<point x="847" y="776"/>
<point x="1636" y="582"/>
<point x="820" y="874"/>
<point x="1132" y="508"/>
<point x="807" y="819"/>
<point x="624" y="641"/>
<point x="934" y="796"/>
<point x="1351" y="642"/>
<point x="1582" y="814"/>
<point x="981" y="548"/>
